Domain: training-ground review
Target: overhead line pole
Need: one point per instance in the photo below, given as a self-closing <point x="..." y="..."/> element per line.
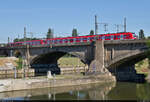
<point x="25" y="34"/>
<point x="96" y="25"/>
<point x="125" y="25"/>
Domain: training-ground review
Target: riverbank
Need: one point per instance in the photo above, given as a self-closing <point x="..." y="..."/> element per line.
<point x="101" y="88"/>
<point x="58" y="81"/>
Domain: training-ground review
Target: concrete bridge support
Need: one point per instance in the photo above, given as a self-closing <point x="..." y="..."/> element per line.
<point x="97" y="65"/>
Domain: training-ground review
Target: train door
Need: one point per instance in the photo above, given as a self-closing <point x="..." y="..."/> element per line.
<point x="88" y="39"/>
<point x="81" y="39"/>
<point x="121" y="37"/>
<point x="74" y="40"/>
<point x="103" y="37"/>
<point x="44" y="42"/>
<point x="111" y="37"/>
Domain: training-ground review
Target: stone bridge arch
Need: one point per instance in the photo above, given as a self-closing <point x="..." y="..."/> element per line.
<point x="123" y="66"/>
<point x="131" y="57"/>
<point x="49" y="60"/>
<point x="56" y="55"/>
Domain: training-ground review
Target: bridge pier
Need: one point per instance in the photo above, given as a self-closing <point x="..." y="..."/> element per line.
<point x="97" y="65"/>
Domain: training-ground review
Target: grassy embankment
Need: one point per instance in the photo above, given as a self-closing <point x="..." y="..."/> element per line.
<point x="70" y="62"/>
<point x="142" y="67"/>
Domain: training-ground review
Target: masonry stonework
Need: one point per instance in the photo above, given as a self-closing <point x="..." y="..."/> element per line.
<point x="98" y="55"/>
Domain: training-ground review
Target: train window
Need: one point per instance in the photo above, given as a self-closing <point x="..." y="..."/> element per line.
<point x="100" y="37"/>
<point x="121" y="36"/>
<point x="117" y="36"/>
<point x="134" y="35"/>
<point x="53" y="41"/>
<point x="103" y="37"/>
<point x="48" y="42"/>
<point x="70" y="40"/>
<point x="35" y="42"/>
<point x="107" y="37"/>
<point x="124" y="36"/>
<point x="112" y="37"/>
<point x="84" y="38"/>
<point x="128" y="36"/>
<point x="30" y="43"/>
<point x="78" y="39"/>
<point x="74" y="39"/>
<point x="65" y="40"/>
<point x="91" y="38"/>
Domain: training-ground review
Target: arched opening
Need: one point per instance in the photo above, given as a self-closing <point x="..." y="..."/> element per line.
<point x="70" y="64"/>
<point x="124" y="69"/>
<point x="50" y="62"/>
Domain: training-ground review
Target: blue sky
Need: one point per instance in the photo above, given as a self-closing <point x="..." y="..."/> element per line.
<point x="64" y="15"/>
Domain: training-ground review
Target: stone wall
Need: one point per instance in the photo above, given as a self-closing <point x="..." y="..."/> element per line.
<point x="22" y="84"/>
<point x="10" y="73"/>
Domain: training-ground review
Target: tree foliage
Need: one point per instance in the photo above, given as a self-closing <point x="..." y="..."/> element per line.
<point x="74" y="33"/>
<point x="92" y="32"/>
<point x="141" y="34"/>
<point x="49" y="33"/>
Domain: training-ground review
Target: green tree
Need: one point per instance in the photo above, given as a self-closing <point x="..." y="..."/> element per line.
<point x="50" y="33"/>
<point x="148" y="37"/>
<point x="141" y="34"/>
<point x="19" y="63"/>
<point x="74" y="33"/>
<point x="92" y="32"/>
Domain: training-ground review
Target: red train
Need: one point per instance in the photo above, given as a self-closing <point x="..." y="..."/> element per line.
<point x="89" y="38"/>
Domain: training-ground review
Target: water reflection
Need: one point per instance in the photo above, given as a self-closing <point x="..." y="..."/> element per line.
<point x="130" y="91"/>
<point x="107" y="91"/>
<point x="143" y="91"/>
<point x="82" y="92"/>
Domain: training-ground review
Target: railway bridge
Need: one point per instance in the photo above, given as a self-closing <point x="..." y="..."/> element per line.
<point x="116" y="56"/>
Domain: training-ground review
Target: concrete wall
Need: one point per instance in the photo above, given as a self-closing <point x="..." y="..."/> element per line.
<point x="19" y="73"/>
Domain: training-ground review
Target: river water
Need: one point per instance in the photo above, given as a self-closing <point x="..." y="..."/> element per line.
<point x="105" y="91"/>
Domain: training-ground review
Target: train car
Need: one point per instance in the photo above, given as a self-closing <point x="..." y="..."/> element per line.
<point x="89" y="38"/>
<point x="15" y="44"/>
